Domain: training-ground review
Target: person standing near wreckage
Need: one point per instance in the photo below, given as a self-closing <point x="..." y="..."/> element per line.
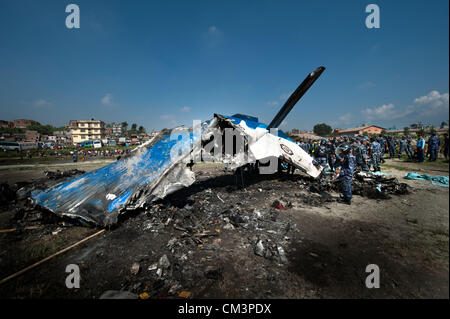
<point x="360" y="153"/>
<point x="382" y="142"/>
<point x="403" y="147"/>
<point x="446" y="146"/>
<point x="420" y="149"/>
<point x="433" y="146"/>
<point x="320" y="154"/>
<point x="375" y="154"/>
<point x="391" y="147"/>
<point x="347" y="164"/>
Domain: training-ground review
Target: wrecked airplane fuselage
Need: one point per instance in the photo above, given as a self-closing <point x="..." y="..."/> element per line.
<point x="155" y="171"/>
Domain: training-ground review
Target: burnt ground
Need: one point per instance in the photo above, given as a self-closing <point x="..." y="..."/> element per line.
<point x="222" y="241"/>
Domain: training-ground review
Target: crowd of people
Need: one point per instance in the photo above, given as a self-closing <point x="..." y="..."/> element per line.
<point x="83" y="154"/>
<point x="343" y="155"/>
<point x="370" y="152"/>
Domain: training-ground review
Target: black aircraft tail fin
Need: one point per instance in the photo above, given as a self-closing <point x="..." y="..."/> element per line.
<point x="295" y="97"/>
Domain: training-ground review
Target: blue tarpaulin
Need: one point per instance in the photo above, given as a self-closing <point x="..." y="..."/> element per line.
<point x="435" y="180"/>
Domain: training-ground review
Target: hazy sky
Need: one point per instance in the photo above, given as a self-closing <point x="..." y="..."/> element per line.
<point x="165" y="63"/>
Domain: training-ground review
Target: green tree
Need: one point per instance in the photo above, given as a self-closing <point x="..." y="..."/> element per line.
<point x="322" y="129"/>
<point x="141" y="130"/>
<point x="431" y="129"/>
<point x="421" y="132"/>
<point x="443" y="124"/>
<point x="133" y="128"/>
<point x="406" y="130"/>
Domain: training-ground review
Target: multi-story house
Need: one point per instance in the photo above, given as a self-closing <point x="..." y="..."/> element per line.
<point x="87" y="130"/>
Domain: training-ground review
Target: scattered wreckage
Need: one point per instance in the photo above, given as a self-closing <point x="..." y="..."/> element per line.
<point x="164" y="165"/>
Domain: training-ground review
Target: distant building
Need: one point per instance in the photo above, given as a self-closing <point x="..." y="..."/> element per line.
<point x="6" y="124"/>
<point x="73" y="123"/>
<point x="32" y="136"/>
<point x="87" y="130"/>
<point x="417" y="126"/>
<point x="369" y="129"/>
<point x="24" y="123"/>
<point x="18" y="137"/>
<point x="117" y="129"/>
<point x="63" y="137"/>
<point x="108" y="131"/>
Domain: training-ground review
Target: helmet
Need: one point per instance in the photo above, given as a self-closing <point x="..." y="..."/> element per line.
<point x="343" y="149"/>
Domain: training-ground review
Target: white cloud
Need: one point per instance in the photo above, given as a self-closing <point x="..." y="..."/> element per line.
<point x="433" y="102"/>
<point x="107" y="99"/>
<point x="169" y="118"/>
<point x="213" y="30"/>
<point x="432" y="106"/>
<point x="213" y="36"/>
<point x="345" y="118"/>
<point x="42" y="103"/>
<point x="185" y="109"/>
<point x="382" y="112"/>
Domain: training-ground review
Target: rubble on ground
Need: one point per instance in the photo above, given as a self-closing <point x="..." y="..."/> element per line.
<point x="193" y="219"/>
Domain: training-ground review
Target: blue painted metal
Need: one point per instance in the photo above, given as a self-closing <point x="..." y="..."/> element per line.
<point x="100" y="195"/>
<point x="254" y="125"/>
<point x="86" y="196"/>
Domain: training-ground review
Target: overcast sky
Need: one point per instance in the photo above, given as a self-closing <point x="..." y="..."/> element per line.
<point x="166" y="63"/>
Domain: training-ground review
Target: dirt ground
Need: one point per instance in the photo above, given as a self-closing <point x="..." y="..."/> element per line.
<point x="327" y="246"/>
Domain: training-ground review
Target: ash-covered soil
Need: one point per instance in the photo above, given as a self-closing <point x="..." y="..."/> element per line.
<point x="274" y="238"/>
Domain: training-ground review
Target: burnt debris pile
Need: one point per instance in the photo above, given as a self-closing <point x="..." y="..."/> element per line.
<point x="236" y="189"/>
<point x="15" y="200"/>
<point x="183" y="244"/>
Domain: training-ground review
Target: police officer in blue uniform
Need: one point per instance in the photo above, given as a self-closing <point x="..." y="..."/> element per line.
<point x="433" y="145"/>
<point x="374" y="154"/>
<point x="382" y="142"/>
<point x="391" y="147"/>
<point x="403" y="146"/>
<point x="347" y="166"/>
<point x="320" y="153"/>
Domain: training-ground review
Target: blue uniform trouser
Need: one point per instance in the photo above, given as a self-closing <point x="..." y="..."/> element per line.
<point x="375" y="162"/>
<point x="434" y="153"/>
<point x="346" y="184"/>
<point x="408" y="151"/>
<point x="391" y="152"/>
<point x="402" y="148"/>
<point x="420" y="155"/>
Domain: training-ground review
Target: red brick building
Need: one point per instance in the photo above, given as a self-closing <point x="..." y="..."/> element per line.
<point x="6" y="124"/>
<point x="369" y="129"/>
<point x="32" y="136"/>
<point x="21" y="123"/>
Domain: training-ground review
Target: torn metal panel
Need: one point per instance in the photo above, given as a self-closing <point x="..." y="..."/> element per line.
<point x="263" y="144"/>
<point x="99" y="196"/>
